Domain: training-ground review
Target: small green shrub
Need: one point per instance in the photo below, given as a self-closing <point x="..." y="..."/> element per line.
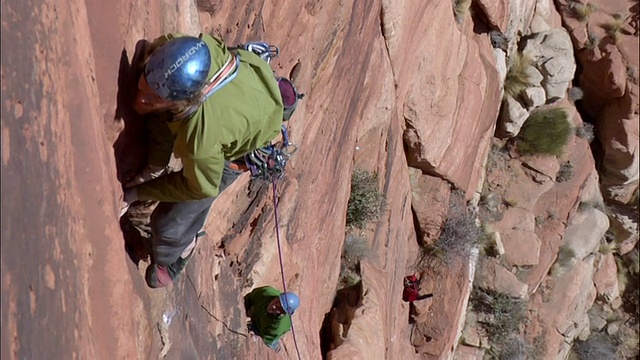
<point x="546" y="131"/>
<point x="504" y="315"/>
<point x="585" y="131"/>
<point x="582" y="11"/>
<point x="565" y="173"/>
<point x="517" y="79"/>
<point x="365" y="201"/>
<point x="461" y="8"/>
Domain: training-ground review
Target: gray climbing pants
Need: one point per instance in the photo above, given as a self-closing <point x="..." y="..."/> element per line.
<point x="174" y="225"/>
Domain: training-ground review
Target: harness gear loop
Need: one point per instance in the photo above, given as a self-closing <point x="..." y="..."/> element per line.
<point x="269" y="162"/>
<point x="262" y="49"/>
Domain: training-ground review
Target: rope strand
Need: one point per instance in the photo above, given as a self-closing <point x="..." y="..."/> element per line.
<point x="284" y="284"/>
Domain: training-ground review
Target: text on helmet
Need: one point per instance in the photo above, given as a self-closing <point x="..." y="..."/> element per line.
<point x="192" y="50"/>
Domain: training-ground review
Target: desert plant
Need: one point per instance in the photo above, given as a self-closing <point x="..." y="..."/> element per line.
<point x="459" y="235"/>
<point x="516" y="348"/>
<point x="565" y="257"/>
<point x="565" y="173"/>
<point x="461" y="8"/>
<point x="607" y="248"/>
<point x="348" y="278"/>
<point x="546" y="131"/>
<point x="598" y="346"/>
<point x="614" y="26"/>
<point x="585" y="131"/>
<point x="582" y="11"/>
<point x="365" y="201"/>
<point x="503" y="315"/>
<point x="355" y="248"/>
<point x="517" y="79"/>
<point x="593" y="40"/>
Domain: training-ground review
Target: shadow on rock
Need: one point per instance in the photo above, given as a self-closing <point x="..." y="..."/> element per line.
<point x="130" y="146"/>
<point x="130" y="153"/>
<point x="137" y="242"/>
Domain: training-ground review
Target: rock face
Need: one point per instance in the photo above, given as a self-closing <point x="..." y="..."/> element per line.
<point x="552" y="54"/>
<point x="609" y="78"/>
<point x="396" y="87"/>
<point x="454" y="91"/>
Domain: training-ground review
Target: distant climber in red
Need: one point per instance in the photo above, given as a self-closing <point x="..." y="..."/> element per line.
<point x="411" y="290"/>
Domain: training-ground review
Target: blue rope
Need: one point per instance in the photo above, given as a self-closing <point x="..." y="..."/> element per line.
<point x="284" y="283"/>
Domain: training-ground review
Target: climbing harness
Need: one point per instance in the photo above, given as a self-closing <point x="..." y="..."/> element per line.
<point x="269" y="162"/>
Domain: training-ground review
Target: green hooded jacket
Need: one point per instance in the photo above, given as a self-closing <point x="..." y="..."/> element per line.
<point x="270" y="327"/>
<point x="244" y="115"/>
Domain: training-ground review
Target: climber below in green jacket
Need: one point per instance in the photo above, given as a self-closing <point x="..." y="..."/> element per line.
<point x="270" y="312"/>
<point x="209" y="107"/>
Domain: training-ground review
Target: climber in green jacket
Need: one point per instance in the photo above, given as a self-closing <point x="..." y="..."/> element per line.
<point x="270" y="311"/>
<point x="210" y="106"/>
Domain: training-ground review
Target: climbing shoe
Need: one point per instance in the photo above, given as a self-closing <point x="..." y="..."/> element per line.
<point x="160" y="276"/>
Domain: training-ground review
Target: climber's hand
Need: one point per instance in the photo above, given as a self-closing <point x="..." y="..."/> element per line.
<point x="130" y="196"/>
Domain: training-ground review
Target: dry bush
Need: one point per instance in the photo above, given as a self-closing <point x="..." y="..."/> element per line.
<point x="585" y="131"/>
<point x="517" y="79"/>
<point x="503" y="316"/>
<point x="565" y="173"/>
<point x="582" y="12"/>
<point x="355" y="249"/>
<point x="614" y="26"/>
<point x="460" y="234"/>
<point x="598" y="346"/>
<point x="366" y="202"/>
<point x="593" y="40"/>
<point x="461" y="8"/>
<point x="565" y="258"/>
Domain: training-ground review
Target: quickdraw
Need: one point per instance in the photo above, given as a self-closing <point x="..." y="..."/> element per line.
<point x="262" y="49"/>
<point x="269" y="162"/>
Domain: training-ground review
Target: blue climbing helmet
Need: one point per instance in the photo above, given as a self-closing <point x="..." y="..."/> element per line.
<point x="289" y="302"/>
<point x="178" y="69"/>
